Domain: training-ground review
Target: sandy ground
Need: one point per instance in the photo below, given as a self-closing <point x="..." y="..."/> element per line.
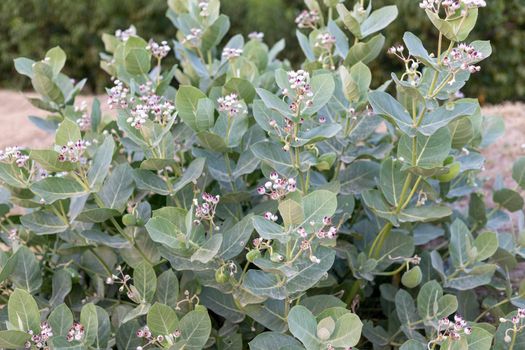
<point x="16" y="129"/>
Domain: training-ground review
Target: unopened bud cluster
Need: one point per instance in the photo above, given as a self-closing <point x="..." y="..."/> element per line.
<point x="325" y="41"/>
<point x="206" y="211"/>
<point x="307" y="19"/>
<point x="451" y="330"/>
<point x="203" y="5"/>
<point x="124" y="35"/>
<point x="159" y="51"/>
<point x="76" y="332"/>
<point x="84" y="122"/>
<point x="462" y="58"/>
<point x="259" y="36"/>
<point x="277" y="187"/>
<point x="13" y="154"/>
<point x="145" y="333"/>
<point x="73" y="152"/>
<point x="39" y="340"/>
<point x="231" y="53"/>
<point x="231" y="105"/>
<point x="301" y="93"/>
<point x="194" y="38"/>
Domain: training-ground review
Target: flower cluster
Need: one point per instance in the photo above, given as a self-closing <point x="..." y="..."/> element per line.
<point x="326" y="230"/>
<point x="277" y="187"/>
<point x="206" y="210"/>
<point x="517" y="324"/>
<point x="462" y="57"/>
<point x="300" y="84"/>
<point x="146" y="105"/>
<point x="126" y="33"/>
<point x="84" y="122"/>
<point x="145" y="333"/>
<point x="230" y="53"/>
<point x="450" y="6"/>
<point x="411" y="64"/>
<point x="159" y="51"/>
<point x="325" y="41"/>
<point x="203" y="5"/>
<point x="10" y="154"/>
<point x="231" y="105"/>
<point x="73" y="151"/>
<point x="122" y="279"/>
<point x="451" y="330"/>
<point x="307" y="19"/>
<point x="40" y="340"/>
<point x="194" y="38"/>
<point x="76" y="332"/>
<point x="118" y="95"/>
<point x="256" y="36"/>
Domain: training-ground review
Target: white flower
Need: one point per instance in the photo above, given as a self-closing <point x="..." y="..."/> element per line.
<point x="231" y="53"/>
<point x="126" y="33"/>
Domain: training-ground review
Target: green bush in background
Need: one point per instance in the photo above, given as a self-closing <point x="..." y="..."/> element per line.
<point x="29" y="27"/>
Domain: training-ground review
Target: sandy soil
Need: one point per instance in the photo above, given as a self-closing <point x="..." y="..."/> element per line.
<point x="16" y="129"/>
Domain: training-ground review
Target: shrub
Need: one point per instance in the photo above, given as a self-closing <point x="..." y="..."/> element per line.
<point x="261" y="207"/>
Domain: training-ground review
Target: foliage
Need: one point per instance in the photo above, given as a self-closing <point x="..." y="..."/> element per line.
<point x="259" y="207"/>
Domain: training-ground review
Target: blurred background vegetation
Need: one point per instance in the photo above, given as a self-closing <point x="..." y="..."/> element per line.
<point x="30" y="27"/>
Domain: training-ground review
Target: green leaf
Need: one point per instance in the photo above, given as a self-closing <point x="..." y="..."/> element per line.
<point x="359" y="176"/>
<point x="405" y="308"/>
<point x="479" y="275"/>
<point x="443" y="115"/>
<point x="97" y="215"/>
<point x="486" y="244"/>
<point x="385" y="105"/>
<point x="195" y="328"/>
<point x="356" y="82"/>
<point x="146" y="180"/>
<point x="291" y="212"/>
<point x="61" y="287"/>
<point x="162" y="319"/>
<point x="187" y="101"/>
<point x="430" y="152"/>
<point x="145" y="281"/>
<point x="458" y="28"/>
<point x="273" y="102"/>
<point x="264" y="284"/>
<point x="137" y="59"/>
<point x="270" y="314"/>
<point x="221" y="304"/>
<point x="23" y="311"/>
<point x="365" y="52"/>
<point x="11" y="339"/>
<point x="518" y="172"/>
<point x="378" y="20"/>
<point x="89" y="319"/>
<point x="215" y="32"/>
<point x="43" y="223"/>
<point x="52" y="189"/>
<point x="161" y="230"/>
<point x="235" y="239"/>
<point x="274" y="340"/>
<point x="191" y="174"/>
<point x="167" y="288"/>
<point x="303" y="326"/>
<point x="12" y="175"/>
<point x="508" y="199"/>
<point x="432" y="305"/>
<point x="460" y="243"/>
<point x="415" y="48"/>
<point x="100" y="165"/>
<point x="347" y="331"/>
<point x="424" y="213"/>
<point x="68" y="131"/>
<point x="275" y="156"/>
<point x="56" y="58"/>
<point x="208" y="250"/>
<point x="317" y="205"/>
<point x="48" y="160"/>
<point x="24" y="66"/>
<point x="126" y="337"/>
<point x="103" y="238"/>
<point x="242" y="87"/>
<point x="26" y="273"/>
<point x="117" y="188"/>
<point x="270" y="230"/>
<point x="323" y="86"/>
<point x="44" y="83"/>
<point x="60" y="320"/>
<point x="310" y="273"/>
<point x="391" y="180"/>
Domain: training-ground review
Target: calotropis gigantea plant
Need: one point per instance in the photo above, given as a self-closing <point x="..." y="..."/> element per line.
<point x="234" y="202"/>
